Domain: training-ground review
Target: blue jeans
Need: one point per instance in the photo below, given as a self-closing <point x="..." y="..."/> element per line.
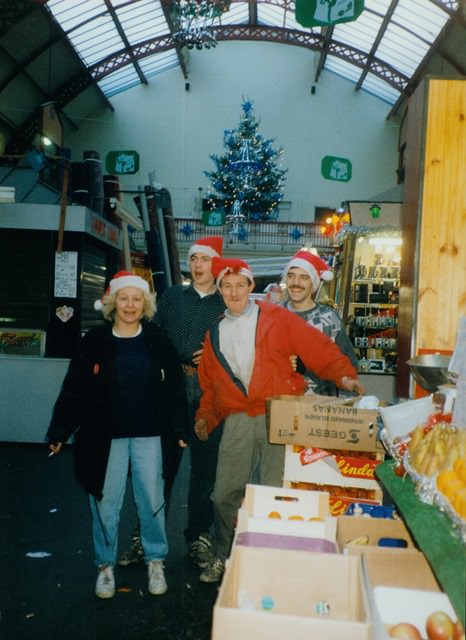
<point x="203" y="468"/>
<point x="145" y="455"/>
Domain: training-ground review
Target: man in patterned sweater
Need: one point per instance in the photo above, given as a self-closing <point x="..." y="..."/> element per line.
<point x="303" y="276"/>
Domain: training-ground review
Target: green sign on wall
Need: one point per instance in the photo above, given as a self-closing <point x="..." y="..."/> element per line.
<point x="213" y="218"/>
<point x="321" y="13"/>
<point x="122" y="162"/>
<point x="334" y="168"/>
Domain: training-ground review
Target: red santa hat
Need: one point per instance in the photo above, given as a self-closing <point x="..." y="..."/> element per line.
<point x="311" y="263"/>
<point x="119" y="281"/>
<point x="211" y="246"/>
<point x="222" y="266"/>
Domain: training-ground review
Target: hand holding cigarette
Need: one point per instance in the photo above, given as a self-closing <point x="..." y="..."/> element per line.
<point x="55" y="448"/>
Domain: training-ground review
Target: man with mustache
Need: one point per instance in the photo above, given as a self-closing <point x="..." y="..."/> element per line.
<point x="303" y="276"/>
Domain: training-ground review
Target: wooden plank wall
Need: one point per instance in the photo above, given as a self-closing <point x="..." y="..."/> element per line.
<point x="433" y="221"/>
<point x="442" y="248"/>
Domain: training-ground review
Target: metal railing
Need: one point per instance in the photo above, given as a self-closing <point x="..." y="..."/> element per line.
<point x="266" y="236"/>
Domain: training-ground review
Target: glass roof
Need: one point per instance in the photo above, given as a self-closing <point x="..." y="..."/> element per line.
<point x="129" y="41"/>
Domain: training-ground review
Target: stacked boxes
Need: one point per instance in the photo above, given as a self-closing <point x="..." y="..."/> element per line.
<point x="285" y="518"/>
<point x="277" y="593"/>
<point x="278" y="581"/>
<point x="332" y="446"/>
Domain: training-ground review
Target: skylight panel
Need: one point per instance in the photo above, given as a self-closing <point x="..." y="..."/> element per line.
<point x="119" y="81"/>
<point x="271" y="15"/>
<point x="380" y="89"/>
<point x="155" y="64"/>
<point x="70" y="13"/>
<point x="238" y="13"/>
<point x="142" y="21"/>
<point x="359" y="34"/>
<point x="343" y="68"/>
<point x="377" y="6"/>
<point x="423" y="18"/>
<point x="97" y="44"/>
<point x="411" y="31"/>
<point x="401" y="50"/>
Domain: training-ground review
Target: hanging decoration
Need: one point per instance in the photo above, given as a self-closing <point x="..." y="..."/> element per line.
<point x="247" y="183"/>
<point x="322" y="13"/>
<point x="296" y="233"/>
<point x="194" y="22"/>
<point x="364" y="230"/>
<point x="187" y="229"/>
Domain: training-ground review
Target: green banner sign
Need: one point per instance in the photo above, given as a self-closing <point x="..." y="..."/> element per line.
<point x="333" y="168"/>
<point x="213" y="218"/>
<point x="321" y="13"/>
<point x="122" y="162"/>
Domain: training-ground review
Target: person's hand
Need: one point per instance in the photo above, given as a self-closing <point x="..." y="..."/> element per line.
<point x="182" y="444"/>
<point x="197" y="356"/>
<point x="55" y="448"/>
<point x="294" y="361"/>
<point x="200" y="429"/>
<point x="352" y="384"/>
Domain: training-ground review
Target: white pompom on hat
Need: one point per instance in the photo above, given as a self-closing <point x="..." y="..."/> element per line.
<point x="211" y="246"/>
<point x="119" y="281"/>
<point x="314" y="265"/>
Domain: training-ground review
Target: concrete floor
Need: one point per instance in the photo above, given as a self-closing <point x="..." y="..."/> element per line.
<point x="42" y="508"/>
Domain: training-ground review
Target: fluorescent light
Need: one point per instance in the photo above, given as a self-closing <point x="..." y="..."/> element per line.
<point x="393" y="242"/>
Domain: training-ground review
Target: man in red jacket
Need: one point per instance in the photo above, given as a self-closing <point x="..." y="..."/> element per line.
<point x="246" y="359"/>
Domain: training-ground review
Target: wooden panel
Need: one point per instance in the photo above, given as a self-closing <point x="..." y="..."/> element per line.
<point x="442" y="266"/>
<point x="433" y="260"/>
<point x="409" y="226"/>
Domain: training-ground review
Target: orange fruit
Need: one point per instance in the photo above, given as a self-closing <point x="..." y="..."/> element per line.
<point x="274" y="514"/>
<point x="460" y="468"/>
<point x="459" y="503"/>
<point x="452" y="487"/>
<point x="295" y="518"/>
<point x="445" y="477"/>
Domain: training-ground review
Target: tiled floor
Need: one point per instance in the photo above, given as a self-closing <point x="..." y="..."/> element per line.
<point x="43" y="509"/>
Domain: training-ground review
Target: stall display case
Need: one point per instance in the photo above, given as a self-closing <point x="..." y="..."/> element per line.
<point x="371" y="309"/>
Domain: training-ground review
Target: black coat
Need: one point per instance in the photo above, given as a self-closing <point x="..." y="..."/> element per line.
<point x="88" y="400"/>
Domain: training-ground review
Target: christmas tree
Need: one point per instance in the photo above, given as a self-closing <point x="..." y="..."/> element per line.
<point x="247" y="182"/>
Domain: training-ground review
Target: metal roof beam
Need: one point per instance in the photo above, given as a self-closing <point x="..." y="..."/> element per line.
<point x="328" y="34"/>
<point x="122" y="34"/>
<point x="264" y="33"/>
<point x="377" y="41"/>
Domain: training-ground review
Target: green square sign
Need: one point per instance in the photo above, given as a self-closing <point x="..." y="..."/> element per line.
<point x="122" y="162"/>
<point x="213" y="218"/>
<point x="334" y="168"/>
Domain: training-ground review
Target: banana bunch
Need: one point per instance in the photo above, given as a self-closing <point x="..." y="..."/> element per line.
<point x="437" y="449"/>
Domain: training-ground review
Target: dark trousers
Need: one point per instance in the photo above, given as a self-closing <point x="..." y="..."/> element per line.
<point x="203" y="468"/>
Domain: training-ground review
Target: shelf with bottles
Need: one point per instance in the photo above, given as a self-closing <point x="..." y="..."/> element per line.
<point x="373" y="331"/>
<point x="374" y="292"/>
<point x="372" y="328"/>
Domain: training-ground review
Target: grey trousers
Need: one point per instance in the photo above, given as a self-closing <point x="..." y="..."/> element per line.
<point x="244" y="447"/>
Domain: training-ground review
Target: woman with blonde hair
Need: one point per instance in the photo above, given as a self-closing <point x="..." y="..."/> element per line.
<point x="122" y="398"/>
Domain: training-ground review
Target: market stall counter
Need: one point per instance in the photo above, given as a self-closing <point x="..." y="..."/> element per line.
<point x="433" y="532"/>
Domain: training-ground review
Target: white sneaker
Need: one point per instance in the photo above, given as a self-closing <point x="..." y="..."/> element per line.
<point x="105" y="585"/>
<point x="156" y="578"/>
